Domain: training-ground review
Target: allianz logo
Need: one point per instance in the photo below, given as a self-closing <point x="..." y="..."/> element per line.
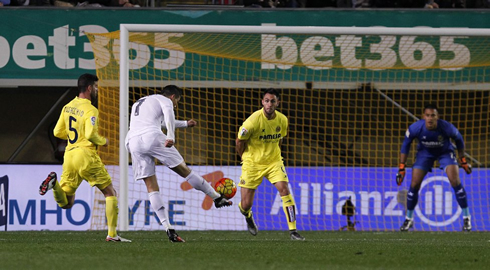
<point x="437" y="205"/>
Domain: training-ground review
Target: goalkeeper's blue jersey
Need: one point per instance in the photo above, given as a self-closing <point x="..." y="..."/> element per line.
<point x="432" y="143"/>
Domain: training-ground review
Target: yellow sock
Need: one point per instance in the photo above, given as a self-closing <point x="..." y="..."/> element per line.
<point x="111" y="211"/>
<point x="289" y="208"/>
<point x="59" y="195"/>
<point x="245" y="213"/>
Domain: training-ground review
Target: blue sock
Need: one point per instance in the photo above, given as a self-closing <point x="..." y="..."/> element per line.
<point x="466" y="212"/>
<point x="460" y="193"/>
<point x="412" y="200"/>
<point x="410" y="214"/>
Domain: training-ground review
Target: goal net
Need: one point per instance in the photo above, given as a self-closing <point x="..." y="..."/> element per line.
<point x="350" y="93"/>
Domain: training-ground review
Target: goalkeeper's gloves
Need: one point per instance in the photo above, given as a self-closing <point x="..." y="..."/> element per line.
<point x="466" y="167"/>
<point x="401" y="174"/>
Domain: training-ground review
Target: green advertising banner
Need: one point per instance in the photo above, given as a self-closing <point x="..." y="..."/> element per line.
<point x="295" y="57"/>
<point x="50" y="44"/>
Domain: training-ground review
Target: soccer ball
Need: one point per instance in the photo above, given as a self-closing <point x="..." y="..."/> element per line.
<point x="226" y="188"/>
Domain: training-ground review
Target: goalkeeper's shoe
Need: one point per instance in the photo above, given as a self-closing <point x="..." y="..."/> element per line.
<point x="117" y="238"/>
<point x="407" y="224"/>
<point x="174" y="237"/>
<point x="296" y="236"/>
<point x="48" y="183"/>
<point x="222" y="202"/>
<point x="251" y="226"/>
<point x="466" y="224"/>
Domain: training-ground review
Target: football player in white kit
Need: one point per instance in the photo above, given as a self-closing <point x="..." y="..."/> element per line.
<point x="146" y="141"/>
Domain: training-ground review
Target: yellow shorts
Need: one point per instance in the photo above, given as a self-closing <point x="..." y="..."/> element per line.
<point x="253" y="174"/>
<point x="81" y="163"/>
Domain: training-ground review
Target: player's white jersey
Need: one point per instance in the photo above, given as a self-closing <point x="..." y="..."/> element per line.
<point x="150" y="113"/>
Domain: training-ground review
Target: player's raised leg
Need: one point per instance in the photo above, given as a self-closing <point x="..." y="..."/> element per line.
<point x="48" y="183"/>
<point x="59" y="194"/>
<point x="199" y="183"/>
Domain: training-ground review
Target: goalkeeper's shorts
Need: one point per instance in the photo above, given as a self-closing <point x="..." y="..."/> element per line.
<point x="426" y="162"/>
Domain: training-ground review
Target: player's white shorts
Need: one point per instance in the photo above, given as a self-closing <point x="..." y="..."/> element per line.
<point x="145" y="148"/>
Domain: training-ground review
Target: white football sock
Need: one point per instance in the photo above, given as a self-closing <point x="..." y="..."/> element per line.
<point x="158" y="207"/>
<point x="199" y="183"/>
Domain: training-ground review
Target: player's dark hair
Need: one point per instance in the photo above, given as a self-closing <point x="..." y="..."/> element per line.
<point x="85" y="80"/>
<point x="271" y="91"/>
<point x="431" y="106"/>
<point x="171" y="89"/>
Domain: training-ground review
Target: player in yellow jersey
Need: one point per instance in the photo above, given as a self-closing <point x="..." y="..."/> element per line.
<point x="79" y="123"/>
<point x="258" y="144"/>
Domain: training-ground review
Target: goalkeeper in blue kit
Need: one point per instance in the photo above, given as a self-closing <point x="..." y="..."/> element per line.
<point x="434" y="143"/>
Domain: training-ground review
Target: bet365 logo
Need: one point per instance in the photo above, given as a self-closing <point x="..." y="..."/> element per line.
<point x="437" y="204"/>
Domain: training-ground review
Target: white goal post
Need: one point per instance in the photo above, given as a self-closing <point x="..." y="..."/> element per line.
<point x="125" y="29"/>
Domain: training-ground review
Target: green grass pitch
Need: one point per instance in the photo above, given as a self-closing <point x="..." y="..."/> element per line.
<point x="239" y="250"/>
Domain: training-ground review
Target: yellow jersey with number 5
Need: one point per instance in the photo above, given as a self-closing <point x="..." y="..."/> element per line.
<point x="79" y="123"/>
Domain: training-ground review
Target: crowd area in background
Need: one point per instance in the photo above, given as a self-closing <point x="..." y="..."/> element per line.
<point x="71" y="3"/>
<point x="430" y="4"/>
<point x="369" y="3"/>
